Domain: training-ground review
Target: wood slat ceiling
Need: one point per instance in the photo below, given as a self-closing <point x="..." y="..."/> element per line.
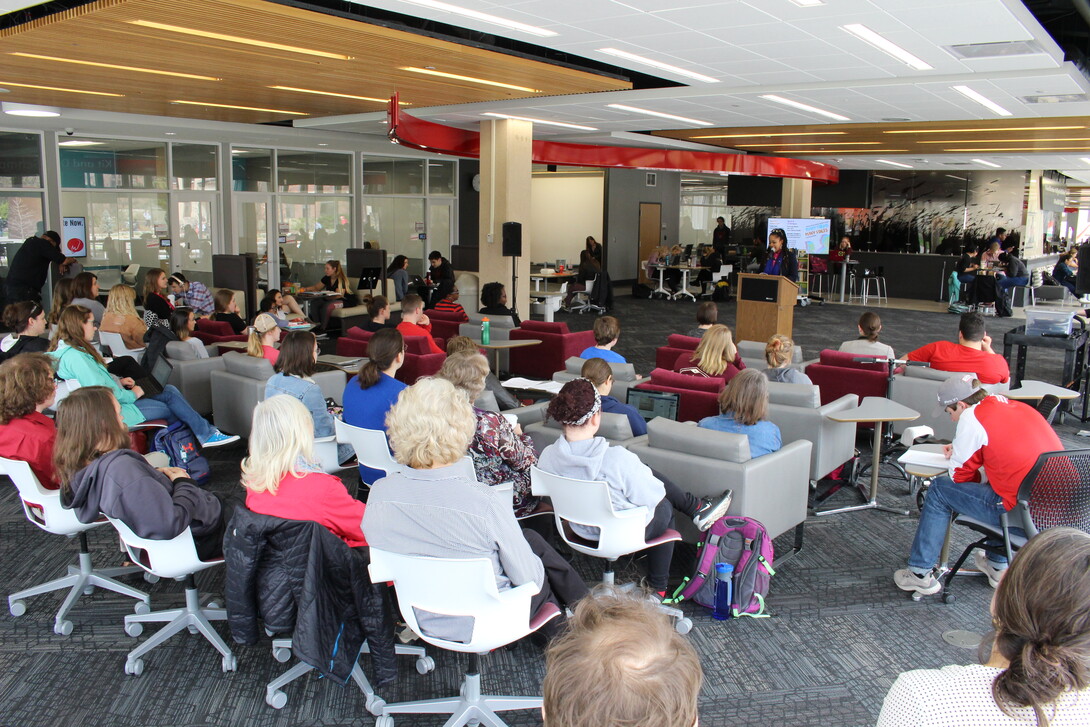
<point x="104" y="32"/>
<point x="1016" y="136"/>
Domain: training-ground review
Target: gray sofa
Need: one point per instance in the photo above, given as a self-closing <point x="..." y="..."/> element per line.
<point x="624" y="376"/>
<point x="772" y="489"/>
<point x="615" y="427"/>
<point x="192" y="375"/>
<point x="796" y="409"/>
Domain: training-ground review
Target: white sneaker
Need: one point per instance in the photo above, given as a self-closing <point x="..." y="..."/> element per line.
<point x="906" y="580"/>
<point x="988" y="568"/>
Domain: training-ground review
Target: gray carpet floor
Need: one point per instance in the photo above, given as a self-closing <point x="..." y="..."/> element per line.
<point x="839" y="634"/>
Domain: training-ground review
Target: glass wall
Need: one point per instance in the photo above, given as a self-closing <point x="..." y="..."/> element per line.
<point x="113" y="164"/>
<point x="122" y="227"/>
<point x="195" y="167"/>
<point x="305" y="171"/>
<point x="702" y="200"/>
<point x="21" y="210"/>
<point x="251" y="170"/>
<point x="319" y="227"/>
<point x="395" y="223"/>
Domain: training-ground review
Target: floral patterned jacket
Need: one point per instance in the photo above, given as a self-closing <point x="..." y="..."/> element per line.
<point x="501" y="456"/>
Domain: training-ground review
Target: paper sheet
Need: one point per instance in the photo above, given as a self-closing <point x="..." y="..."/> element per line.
<point x="553" y="387"/>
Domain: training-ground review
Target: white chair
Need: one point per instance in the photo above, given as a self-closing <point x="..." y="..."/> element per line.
<point x="461" y="587"/>
<point x="371" y="445"/>
<point x="117" y="347"/>
<point x="175" y="558"/>
<point x="325" y="450"/>
<point x="43" y="508"/>
<point x="129" y="274"/>
<point x="581" y="303"/>
<point x="717" y="276"/>
<point x="587" y="502"/>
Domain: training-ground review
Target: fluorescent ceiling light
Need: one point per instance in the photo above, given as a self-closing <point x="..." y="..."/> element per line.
<point x="894" y="164"/>
<point x="672" y="117"/>
<point x="540" y="121"/>
<point x="999" y="141"/>
<point x="808" y="3"/>
<point x="804" y="107"/>
<point x="80" y="142"/>
<point x="991" y="128"/>
<point x="483" y="17"/>
<point x="338" y="95"/>
<point x="1003" y="150"/>
<point x="116" y="67"/>
<point x="982" y="100"/>
<point x="1085" y="159"/>
<point x="238" y="39"/>
<point x="886" y="46"/>
<point x="57" y="88"/>
<point x="241" y="108"/>
<point x="830" y="152"/>
<point x="657" y="64"/>
<point x="986" y="163"/>
<point x="761" y="136"/>
<point x="960" y="179"/>
<point x="471" y="79"/>
<point x="818" y="143"/>
<point x="31" y="110"/>
<point x="892" y="179"/>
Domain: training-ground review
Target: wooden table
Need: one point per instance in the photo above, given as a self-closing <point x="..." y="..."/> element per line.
<point x="496" y="346"/>
<point x="876" y="409"/>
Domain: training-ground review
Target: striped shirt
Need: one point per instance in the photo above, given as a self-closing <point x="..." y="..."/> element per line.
<point x="449" y="306"/>
<point x="199" y="299"/>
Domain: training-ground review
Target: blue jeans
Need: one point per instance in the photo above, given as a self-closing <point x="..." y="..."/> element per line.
<point x="1007" y="282"/>
<point x="172" y="406"/>
<point x="944" y="498"/>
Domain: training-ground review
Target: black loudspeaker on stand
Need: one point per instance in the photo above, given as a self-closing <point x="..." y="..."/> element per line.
<point x="512" y="248"/>
<point x="1082" y="276"/>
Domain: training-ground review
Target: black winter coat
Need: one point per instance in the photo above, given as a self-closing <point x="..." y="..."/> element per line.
<point x="297" y="576"/>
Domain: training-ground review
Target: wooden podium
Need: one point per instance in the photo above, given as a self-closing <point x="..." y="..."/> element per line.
<point x="766" y="306"/>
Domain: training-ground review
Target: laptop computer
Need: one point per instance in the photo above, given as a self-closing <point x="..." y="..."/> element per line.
<point x="651" y="404"/>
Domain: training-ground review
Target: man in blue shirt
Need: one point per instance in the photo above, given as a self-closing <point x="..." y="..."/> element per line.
<point x="598" y="372"/>
<point x="607" y="330"/>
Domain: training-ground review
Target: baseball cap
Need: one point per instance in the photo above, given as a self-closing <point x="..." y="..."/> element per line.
<point x="953" y="390"/>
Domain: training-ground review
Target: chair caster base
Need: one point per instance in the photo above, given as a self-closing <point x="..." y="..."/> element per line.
<point x="135" y="667"/>
<point x="276" y="699"/>
<point x="62" y="628"/>
<point x="425" y="664"/>
<point x="376" y="705"/>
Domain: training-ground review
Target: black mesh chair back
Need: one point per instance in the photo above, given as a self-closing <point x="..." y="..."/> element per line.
<point x="1056" y="492"/>
<point x="1048" y="406"/>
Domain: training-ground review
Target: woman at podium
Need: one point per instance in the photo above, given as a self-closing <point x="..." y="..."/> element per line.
<point x="781" y="259"/>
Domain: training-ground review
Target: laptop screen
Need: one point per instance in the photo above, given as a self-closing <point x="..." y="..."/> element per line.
<point x="161" y="370"/>
<point x="651" y="404"/>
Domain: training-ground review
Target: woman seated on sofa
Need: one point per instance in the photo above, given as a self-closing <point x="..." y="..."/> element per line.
<point x="26" y="319"/>
<point x="715" y="357"/>
<point x="85" y="292"/>
<point x="227" y="310"/>
<point x="121" y="317"/>
<point x="778" y="354"/>
<point x="282" y="478"/>
<point x="501" y="452"/>
<point x="378" y="309"/>
<point x="274" y="305"/>
<point x="598" y="372"/>
<point x="744" y="410"/>
<point x="77" y="359"/>
<point x="26" y="390"/>
<point x="183" y="323"/>
<point x="870" y="325"/>
<point x="100" y="473"/>
<point x="157" y="308"/>
<point x="294" y="367"/>
<point x="263" y="337"/>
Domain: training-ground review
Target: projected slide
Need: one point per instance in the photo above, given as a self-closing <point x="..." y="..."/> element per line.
<point x="809" y="235"/>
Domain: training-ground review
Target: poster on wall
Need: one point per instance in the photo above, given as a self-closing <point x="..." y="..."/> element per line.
<point x="808" y="235"/>
<point x="74" y="237"/>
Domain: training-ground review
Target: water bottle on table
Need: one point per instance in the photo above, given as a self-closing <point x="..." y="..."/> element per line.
<point x="486" y="332"/>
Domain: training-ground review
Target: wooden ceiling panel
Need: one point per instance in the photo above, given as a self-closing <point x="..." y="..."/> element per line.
<point x="112" y="32"/>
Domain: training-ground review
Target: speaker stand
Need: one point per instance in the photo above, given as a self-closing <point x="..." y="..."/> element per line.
<point x="514" y="283"/>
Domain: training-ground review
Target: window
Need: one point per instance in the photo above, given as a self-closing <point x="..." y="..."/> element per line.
<point x="304" y="171"/>
<point x="441" y="177"/>
<point x="122" y="227"/>
<point x="251" y="170"/>
<point x="113" y="164"/>
<point x="194" y="166"/>
<point x="20" y="161"/>
<point x="393" y="176"/>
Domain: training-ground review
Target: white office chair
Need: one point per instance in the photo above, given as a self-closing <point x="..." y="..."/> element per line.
<point x="128" y="275"/>
<point x="717" y="276"/>
<point x="587" y="502"/>
<point x="465" y="588"/>
<point x="371" y="445"/>
<point x="117" y="347"/>
<point x="43" y="508"/>
<point x="177" y="559"/>
<point x="325" y="450"/>
<point x="581" y="303"/>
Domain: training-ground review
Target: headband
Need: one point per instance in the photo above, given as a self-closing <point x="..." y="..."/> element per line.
<point x="595" y="407"/>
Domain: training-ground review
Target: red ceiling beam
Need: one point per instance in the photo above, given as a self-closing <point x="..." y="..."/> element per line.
<point x="429" y="136"/>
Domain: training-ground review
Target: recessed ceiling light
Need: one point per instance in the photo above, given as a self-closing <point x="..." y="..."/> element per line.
<point x="786" y="133"/>
<point x="238" y="39"/>
<point x="117" y="67"/>
<point x="65" y="90"/>
<point x="657" y="64"/>
<point x="80" y="142"/>
<point x="817" y="143"/>
<point x="471" y="79"/>
<point x="31" y="110"/>
<point x="241" y="108"/>
<point x="322" y="143"/>
<point x="986" y="163"/>
<point x="1003" y="150"/>
<point x="991" y="128"/>
<point x="540" y="121"/>
<point x="893" y="164"/>
<point x="886" y="46"/>
<point x="804" y="107"/>
<point x="982" y="100"/>
<point x="808" y="3"/>
<point x="338" y="95"/>
<point x="483" y="17"/>
<point x="819" y="152"/>
<point x="170" y="133"/>
<point x="1085" y="160"/>
<point x="659" y="114"/>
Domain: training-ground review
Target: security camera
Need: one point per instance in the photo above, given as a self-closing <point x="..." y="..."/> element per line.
<point x="70" y="131"/>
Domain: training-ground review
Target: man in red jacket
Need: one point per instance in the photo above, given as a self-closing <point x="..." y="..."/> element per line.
<point x="996" y="443"/>
<point x="414" y="322"/>
<point x="973" y="352"/>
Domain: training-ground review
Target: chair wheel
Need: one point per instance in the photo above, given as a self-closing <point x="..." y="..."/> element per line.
<point x="230" y="663"/>
<point x="88" y="590"/>
<point x="212" y="604"/>
<point x="384" y="721"/>
<point x="949" y="598"/>
<point x="277" y="699"/>
<point x="134" y="629"/>
<point x="424" y="664"/>
<point x="62" y="628"/>
<point x="281" y="654"/>
<point x="17" y="608"/>
<point x="150" y="577"/>
<point x="134" y="667"/>
<point x="683" y="626"/>
<point x="916" y="596"/>
<point x="141" y="607"/>
<point x="192" y="629"/>
<point x="375" y="704"/>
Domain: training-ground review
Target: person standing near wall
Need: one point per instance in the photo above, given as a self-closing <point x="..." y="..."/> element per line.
<point x="720" y="236"/>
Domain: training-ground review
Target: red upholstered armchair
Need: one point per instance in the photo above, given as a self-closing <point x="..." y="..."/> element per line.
<point x="558" y="344"/>
<point x="837" y="373"/>
<point x="444" y="324"/>
<point x="209" y="332"/>
<point x="354" y="342"/>
<point x="699" y="396"/>
<point x="419" y="361"/>
<point x="676" y="344"/>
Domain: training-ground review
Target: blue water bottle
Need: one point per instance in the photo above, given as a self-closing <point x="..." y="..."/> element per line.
<point x="724" y="575"/>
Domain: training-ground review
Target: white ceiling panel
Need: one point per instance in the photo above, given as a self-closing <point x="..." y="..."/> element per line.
<point x="964" y="22"/>
<point x="727" y="15"/>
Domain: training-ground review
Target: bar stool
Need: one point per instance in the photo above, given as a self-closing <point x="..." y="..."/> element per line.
<point x="879" y="281"/>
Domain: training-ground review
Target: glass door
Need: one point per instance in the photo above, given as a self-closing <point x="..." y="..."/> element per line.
<point x="255" y="234"/>
<point x="441" y="227"/>
<point x="194" y="237"/>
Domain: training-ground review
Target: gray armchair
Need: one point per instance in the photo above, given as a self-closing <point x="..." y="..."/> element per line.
<point x="796" y="409"/>
<point x="615" y="428"/>
<point x="499" y="330"/>
<point x="624" y="376"/>
<point x="753" y="355"/>
<point x="918" y="388"/>
<point x="192" y="375"/>
<point x="772" y="489"/>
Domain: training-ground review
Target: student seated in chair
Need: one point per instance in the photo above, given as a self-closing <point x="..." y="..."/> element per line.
<point x="581" y="455"/>
<point x="504" y="398"/>
<point x="494" y="302"/>
<point x="654" y="673"/>
<point x="26" y="319"/>
<point x="716" y="357"/>
<point x="438" y="509"/>
<point x="227" y="310"/>
<point x="743" y="406"/>
<point x="378" y="308"/>
<point x="607" y="330"/>
<point x="99" y="473"/>
<point x="414" y="322"/>
<point x="264" y="334"/>
<point x="26" y="434"/>
<point x="870" y="325"/>
<point x="598" y="372"/>
<point x="707" y="315"/>
<point x="972" y="353"/>
<point x="778" y="353"/>
<point x="369" y="394"/>
<point x="450" y="304"/>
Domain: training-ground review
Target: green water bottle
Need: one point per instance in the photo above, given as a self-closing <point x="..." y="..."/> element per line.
<point x="486" y="332"/>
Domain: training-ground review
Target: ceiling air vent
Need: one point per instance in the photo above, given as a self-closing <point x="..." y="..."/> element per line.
<point x="995" y="50"/>
<point x="1057" y="98"/>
